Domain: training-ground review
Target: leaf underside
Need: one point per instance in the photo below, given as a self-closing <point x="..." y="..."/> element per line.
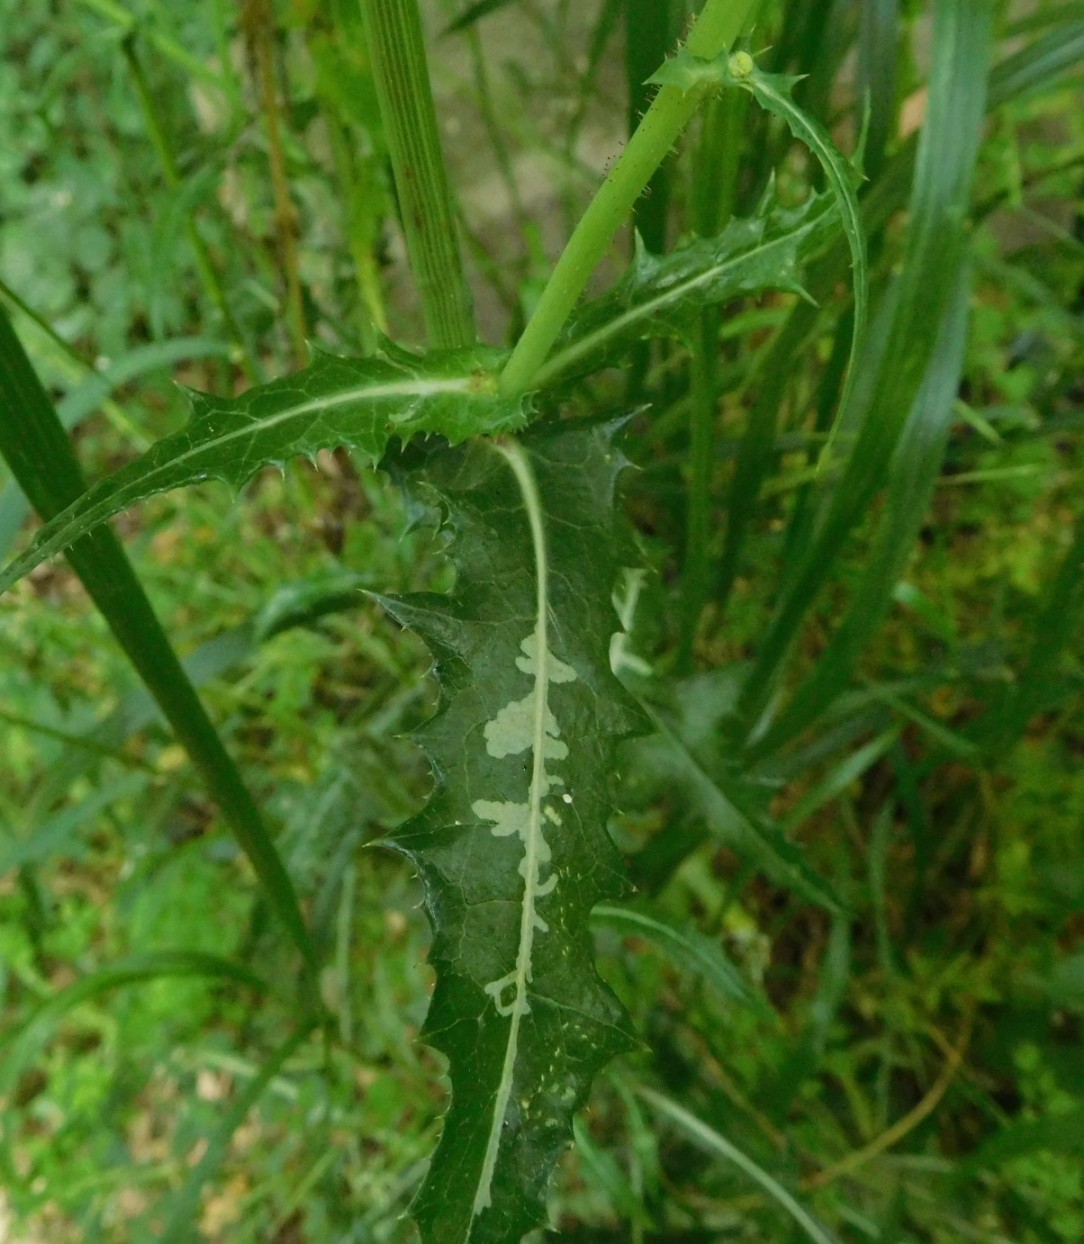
<point x="361" y="404"/>
<point x="512" y="848"/>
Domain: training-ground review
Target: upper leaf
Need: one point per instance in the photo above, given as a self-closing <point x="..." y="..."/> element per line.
<point x="660" y="295"/>
<point x="358" y="403"/>
<point x="512" y="848"/>
<point x="772" y="92"/>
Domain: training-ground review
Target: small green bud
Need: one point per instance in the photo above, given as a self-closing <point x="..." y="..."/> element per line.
<point x="741" y="66"/>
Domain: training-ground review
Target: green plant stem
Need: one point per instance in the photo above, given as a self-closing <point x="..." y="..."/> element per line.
<point x="41" y="459"/>
<point x="718" y="25"/>
<point x="212" y="282"/>
<point x="397" y="50"/>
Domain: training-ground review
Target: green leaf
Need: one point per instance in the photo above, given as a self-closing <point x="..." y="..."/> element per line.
<point x="773" y="93"/>
<point x="913" y="472"/>
<point x="361" y="404"/>
<point x="690" y="950"/>
<point x="35" y="446"/>
<point x="661" y="295"/>
<point x="711" y="1141"/>
<point x="512" y="847"/>
<point x="682" y="754"/>
<point x="907" y="332"/>
<point x="21" y="1044"/>
<point x="473" y="13"/>
<point x="184" y="1208"/>
<point x="92" y="393"/>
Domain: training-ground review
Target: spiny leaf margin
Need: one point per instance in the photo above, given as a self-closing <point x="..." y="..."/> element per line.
<point x="773" y="93"/>
<point x="508" y="1123"/>
<point x="357" y="403"/>
<point x="661" y="295"/>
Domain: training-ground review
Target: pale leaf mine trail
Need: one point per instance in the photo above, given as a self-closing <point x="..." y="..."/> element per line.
<point x="523" y="724"/>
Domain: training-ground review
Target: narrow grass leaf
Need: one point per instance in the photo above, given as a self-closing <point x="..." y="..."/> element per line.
<point x="474" y="13"/>
<point x="184" y="1211"/>
<point x="714" y="1143"/>
<point x="750" y="832"/>
<point x="878" y="41"/>
<point x="88" y="396"/>
<point x="913" y="473"/>
<point x="648" y="39"/>
<point x="21" y="1044"/>
<point x="1040" y="66"/>
<point x="687" y="948"/>
<point x="927" y="284"/>
<point x="843" y="775"/>
<point x="41" y="458"/>
<point x="361" y="404"/>
<point x="59" y="834"/>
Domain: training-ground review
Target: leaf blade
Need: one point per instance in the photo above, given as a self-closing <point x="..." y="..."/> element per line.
<point x="361" y="404"/>
<point x="512" y="848"/>
<point x="662" y="295"/>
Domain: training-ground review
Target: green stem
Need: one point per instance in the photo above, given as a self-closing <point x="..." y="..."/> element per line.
<point x="401" y="75"/>
<point x="40" y="456"/>
<point x="718" y="25"/>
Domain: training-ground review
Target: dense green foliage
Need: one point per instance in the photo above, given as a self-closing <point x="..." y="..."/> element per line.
<point x="743" y="808"/>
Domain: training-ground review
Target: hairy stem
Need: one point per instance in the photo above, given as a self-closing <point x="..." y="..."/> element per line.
<point x="718" y="25"/>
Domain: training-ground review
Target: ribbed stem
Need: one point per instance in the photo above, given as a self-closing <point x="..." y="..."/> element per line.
<point x="406" y="106"/>
<point x="718" y="25"/>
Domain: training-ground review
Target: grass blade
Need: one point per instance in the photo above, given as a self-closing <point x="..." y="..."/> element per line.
<point x="88" y="396"/>
<point x="749" y="832"/>
<point x="648" y="39"/>
<point x="912" y="476"/>
<point x="21" y="1044"/>
<point x="40" y="456"/>
<point x="474" y="13"/>
<point x="185" y="1211"/>
<point x="711" y="1141"/>
<point x="689" y="949"/>
<point x="935" y="248"/>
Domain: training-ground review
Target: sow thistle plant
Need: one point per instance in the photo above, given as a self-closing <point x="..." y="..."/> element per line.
<point x="512" y="847"/>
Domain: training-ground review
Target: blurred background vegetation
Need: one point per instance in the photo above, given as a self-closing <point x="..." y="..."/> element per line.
<point x="190" y="192"/>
